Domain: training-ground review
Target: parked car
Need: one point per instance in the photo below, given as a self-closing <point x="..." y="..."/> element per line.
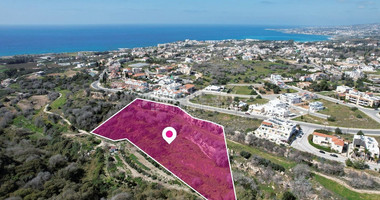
<point x="321" y="151"/>
<point x="334" y="155"/>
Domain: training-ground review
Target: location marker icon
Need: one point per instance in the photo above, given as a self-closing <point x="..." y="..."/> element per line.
<point x="169" y="134"/>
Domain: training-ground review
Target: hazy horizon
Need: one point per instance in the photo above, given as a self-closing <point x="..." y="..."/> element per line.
<point x="171" y="12"/>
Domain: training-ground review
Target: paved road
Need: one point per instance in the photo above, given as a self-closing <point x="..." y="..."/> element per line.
<point x="96" y="85"/>
<point x="303" y="144"/>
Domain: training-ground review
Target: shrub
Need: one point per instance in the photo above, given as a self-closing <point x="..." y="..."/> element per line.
<point x="338" y="131"/>
<point x="354" y="109"/>
<point x="288" y="196"/>
<point x="331" y="119"/>
<point x="245" y="154"/>
<point x="360" y="133"/>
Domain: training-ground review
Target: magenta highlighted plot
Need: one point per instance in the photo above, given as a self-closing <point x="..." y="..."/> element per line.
<point x="192" y="149"/>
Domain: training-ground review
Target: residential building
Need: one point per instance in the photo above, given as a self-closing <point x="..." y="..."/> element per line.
<point x="306" y="96"/>
<point x="303" y="85"/>
<point x="168" y="93"/>
<point x="331" y="141"/>
<point x="362" y="143"/>
<point x="362" y="98"/>
<point x="274" y="108"/>
<point x="316" y="106"/>
<point x="140" y="86"/>
<point x="214" y="88"/>
<point x="276" y="130"/>
<point x="343" y="89"/>
<point x="290" y="98"/>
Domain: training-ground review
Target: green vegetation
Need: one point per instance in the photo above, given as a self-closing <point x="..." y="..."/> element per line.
<point x="342" y="116"/>
<point x="224" y="101"/>
<point x="239" y="71"/>
<point x="230" y="122"/>
<point x="289" y="90"/>
<point x="134" y="158"/>
<point x="2" y="68"/>
<point x="245" y="154"/>
<point x="21" y="121"/>
<point x="58" y="103"/>
<point x="357" y="164"/>
<point x="244" y="90"/>
<point x="275" y="159"/>
<point x="342" y="191"/>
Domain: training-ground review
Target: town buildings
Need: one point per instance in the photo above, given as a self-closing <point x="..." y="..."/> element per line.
<point x="356" y="97"/>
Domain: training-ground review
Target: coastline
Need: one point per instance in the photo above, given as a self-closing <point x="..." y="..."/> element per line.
<point x="43" y="40"/>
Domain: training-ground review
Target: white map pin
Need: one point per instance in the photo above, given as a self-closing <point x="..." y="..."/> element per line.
<point x="169" y="134"/>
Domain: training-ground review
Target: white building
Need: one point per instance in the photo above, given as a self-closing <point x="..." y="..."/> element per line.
<point x="214" y="88"/>
<point x="364" y="142"/>
<point x="290" y="98"/>
<point x="333" y="142"/>
<point x="138" y="85"/>
<point x="277" y="80"/>
<point x="275" y="108"/>
<point x="168" y="93"/>
<point x="343" y="89"/>
<point x="355" y="74"/>
<point x="316" y="106"/>
<point x="276" y="130"/>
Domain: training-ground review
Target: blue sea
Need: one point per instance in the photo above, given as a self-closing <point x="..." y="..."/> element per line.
<point x="16" y="40"/>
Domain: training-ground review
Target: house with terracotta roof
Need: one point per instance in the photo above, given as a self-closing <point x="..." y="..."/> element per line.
<point x="190" y="88"/>
<point x="331" y="141"/>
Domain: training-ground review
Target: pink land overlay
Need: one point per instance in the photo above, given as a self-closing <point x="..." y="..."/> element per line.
<point x="198" y="155"/>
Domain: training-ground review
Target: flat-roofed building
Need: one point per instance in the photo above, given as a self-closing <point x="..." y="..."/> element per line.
<point x="362" y="98"/>
<point x="364" y="142"/>
<point x="276" y="130"/>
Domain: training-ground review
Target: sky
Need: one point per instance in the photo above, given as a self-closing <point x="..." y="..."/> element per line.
<point x="252" y="12"/>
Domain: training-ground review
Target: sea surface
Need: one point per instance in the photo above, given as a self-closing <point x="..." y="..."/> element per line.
<point x="16" y="40"/>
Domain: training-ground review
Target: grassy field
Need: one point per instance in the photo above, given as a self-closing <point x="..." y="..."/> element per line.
<point x="245" y="90"/>
<point x="2" y="68"/>
<point x="223" y="101"/>
<point x="288" y="90"/>
<point x="275" y="159"/>
<point x="260" y="68"/>
<point x="327" y="93"/>
<point x="226" y="120"/>
<point x="342" y="191"/>
<point x="21" y="121"/>
<point x="344" y="117"/>
<point x="213" y="100"/>
<point x="60" y="101"/>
